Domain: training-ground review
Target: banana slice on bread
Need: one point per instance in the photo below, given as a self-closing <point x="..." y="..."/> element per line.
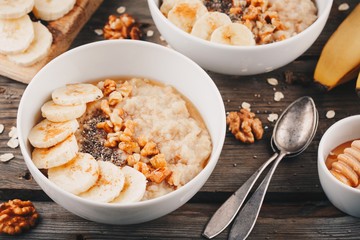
<point x="16" y="35"/>
<point x="15" y="8"/>
<point x="78" y="175"/>
<point x="109" y="184"/>
<point x="49" y="10"/>
<point x="38" y="48"/>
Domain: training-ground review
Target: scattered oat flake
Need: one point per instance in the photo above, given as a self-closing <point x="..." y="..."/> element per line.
<point x="99" y="32"/>
<point x="246" y="106"/>
<point x="150" y="33"/>
<point x="278" y="96"/>
<point x="2" y="128"/>
<point x="13" y="143"/>
<point x="273" y="117"/>
<point x="343" y="7"/>
<point x="273" y="81"/>
<point x="13" y="132"/>
<point x="6" y="157"/>
<point x="121" y="9"/>
<point x="162" y="38"/>
<point x="330" y="114"/>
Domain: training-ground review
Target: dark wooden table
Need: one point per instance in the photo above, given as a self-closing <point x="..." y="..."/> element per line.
<point x="295" y="206"/>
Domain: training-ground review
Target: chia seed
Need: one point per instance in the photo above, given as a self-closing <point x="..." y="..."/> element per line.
<point x="93" y="139"/>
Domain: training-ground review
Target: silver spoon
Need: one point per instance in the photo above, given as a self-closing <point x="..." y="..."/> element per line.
<point x="292" y="134"/>
<point x="227" y="212"/>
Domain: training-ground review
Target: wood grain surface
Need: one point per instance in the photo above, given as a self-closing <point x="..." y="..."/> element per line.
<point x="64" y="31"/>
<point x="295" y="206"/>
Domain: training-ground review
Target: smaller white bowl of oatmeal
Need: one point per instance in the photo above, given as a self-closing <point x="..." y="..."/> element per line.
<point x="339" y="164"/>
<point x="243" y="37"/>
<point x="121" y="132"/>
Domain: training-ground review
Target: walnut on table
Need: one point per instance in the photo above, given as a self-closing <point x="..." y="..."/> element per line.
<point x="122" y="27"/>
<point x="17" y="216"/>
<point x="244" y="126"/>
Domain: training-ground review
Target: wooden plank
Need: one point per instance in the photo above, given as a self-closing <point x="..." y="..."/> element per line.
<point x="313" y="220"/>
<point x="64" y="32"/>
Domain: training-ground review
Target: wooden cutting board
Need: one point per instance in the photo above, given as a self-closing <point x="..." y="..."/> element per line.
<point x="64" y="31"/>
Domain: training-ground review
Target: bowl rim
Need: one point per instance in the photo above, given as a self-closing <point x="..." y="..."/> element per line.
<point x="321" y="158"/>
<point x="219" y="46"/>
<point x="213" y="159"/>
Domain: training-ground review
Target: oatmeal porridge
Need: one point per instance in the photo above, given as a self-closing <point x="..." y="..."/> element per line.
<point x="267" y="20"/>
<point x="135" y="139"/>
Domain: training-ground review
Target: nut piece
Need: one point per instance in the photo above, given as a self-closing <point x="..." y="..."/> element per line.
<point x="149" y="149"/>
<point x="122" y="27"/>
<point x="109" y="86"/>
<point x="17" y="216"/>
<point x="245" y="126"/>
<point x="159" y="174"/>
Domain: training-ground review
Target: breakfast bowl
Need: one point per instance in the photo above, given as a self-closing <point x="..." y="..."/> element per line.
<point x="344" y="197"/>
<point x="240" y="60"/>
<point x="123" y="58"/>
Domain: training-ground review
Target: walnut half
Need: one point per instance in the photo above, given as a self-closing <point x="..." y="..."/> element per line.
<point x="122" y="27"/>
<point x="17" y="216"/>
<point x="245" y="126"/>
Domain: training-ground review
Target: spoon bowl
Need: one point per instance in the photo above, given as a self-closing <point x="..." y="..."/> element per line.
<point x="294" y="130"/>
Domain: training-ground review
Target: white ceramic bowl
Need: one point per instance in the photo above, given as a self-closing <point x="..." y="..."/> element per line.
<point x="240" y="60"/>
<point x="342" y="196"/>
<point x="97" y="61"/>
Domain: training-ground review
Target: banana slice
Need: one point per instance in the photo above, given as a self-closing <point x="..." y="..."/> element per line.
<point x="75" y="94"/>
<point x="47" y="134"/>
<point x="78" y="175"/>
<point x="57" y="155"/>
<point x="16" y="35"/>
<point x="184" y="14"/>
<point x="49" y="10"/>
<point x="167" y="5"/>
<point x="233" y="34"/>
<point x="206" y="25"/>
<point x="109" y="184"/>
<point x="37" y="50"/>
<point x="62" y="113"/>
<point x="11" y="9"/>
<point x="134" y="187"/>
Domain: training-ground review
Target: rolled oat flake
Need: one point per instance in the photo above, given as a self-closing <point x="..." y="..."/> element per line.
<point x="272" y="81"/>
<point x="330" y="114"/>
<point x="343" y="7"/>
<point x="6" y="157"/>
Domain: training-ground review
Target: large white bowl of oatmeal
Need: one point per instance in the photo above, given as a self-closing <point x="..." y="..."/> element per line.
<point x="121" y="132"/>
<point x="240" y="37"/>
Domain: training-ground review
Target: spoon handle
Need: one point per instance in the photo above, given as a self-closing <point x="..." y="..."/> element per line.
<point x="228" y="210"/>
<point x="246" y="219"/>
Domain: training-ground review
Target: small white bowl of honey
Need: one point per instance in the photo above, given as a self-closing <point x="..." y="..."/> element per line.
<point x="339" y="164"/>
